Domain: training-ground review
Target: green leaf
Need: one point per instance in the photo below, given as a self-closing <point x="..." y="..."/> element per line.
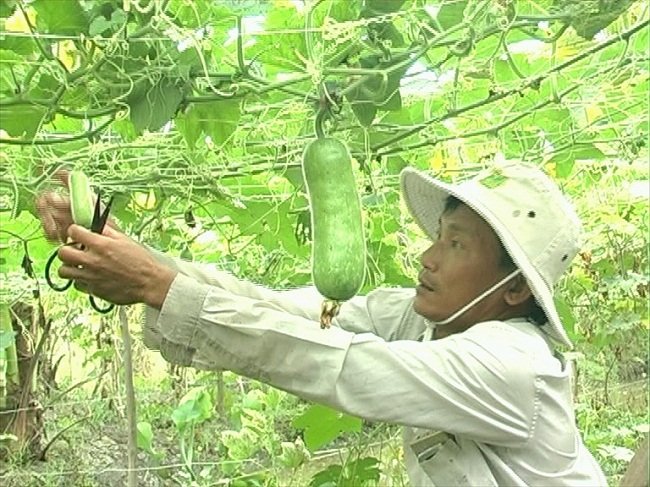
<point x="27" y="226"/>
<point x="640" y="41"/>
<point x="198" y="13"/>
<point x="394" y="102"/>
<point x="7" y="8"/>
<point x="63" y="17"/>
<point x="337" y="10"/>
<point x="527" y="140"/>
<point x="493" y="180"/>
<point x="46" y="88"/>
<point x="20" y="45"/>
<point x="565" y="160"/>
<point x="503" y="72"/>
<point x="591" y="17"/>
<point x="195" y="407"/>
<point x="451" y="14"/>
<point x="154" y="107"/>
<point x="376" y="94"/>
<point x="362" y="471"/>
<point x="323" y="424"/>
<point x="7" y="339"/>
<point x="67" y="125"/>
<point x="145" y="436"/>
<point x="126" y="129"/>
<point x="566" y="316"/>
<point x="364" y="111"/>
<point x="329" y="477"/>
<point x="286" y="50"/>
<point x="564" y="163"/>
<point x="218" y="119"/>
<point x="554" y="116"/>
<point x="99" y="25"/>
<point x="190" y="126"/>
<point x="395" y="164"/>
<point x="384" y="6"/>
<point x="21" y="120"/>
<point x="538" y="7"/>
<point x="9" y="62"/>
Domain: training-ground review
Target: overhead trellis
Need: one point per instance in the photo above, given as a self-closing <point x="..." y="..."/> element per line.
<point x="202" y="100"/>
<point x="75" y="70"/>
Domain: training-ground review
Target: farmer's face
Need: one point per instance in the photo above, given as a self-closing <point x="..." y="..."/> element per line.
<point x="460" y="265"/>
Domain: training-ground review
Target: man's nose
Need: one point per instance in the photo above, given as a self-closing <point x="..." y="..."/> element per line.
<point x="429" y="258"/>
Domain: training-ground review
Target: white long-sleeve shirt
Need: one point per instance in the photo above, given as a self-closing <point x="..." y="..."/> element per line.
<point x="501" y="397"/>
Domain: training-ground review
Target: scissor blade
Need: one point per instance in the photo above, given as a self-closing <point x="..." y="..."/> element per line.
<point x="99" y="219"/>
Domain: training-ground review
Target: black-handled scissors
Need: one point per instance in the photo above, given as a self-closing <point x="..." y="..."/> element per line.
<point x="97" y="226"/>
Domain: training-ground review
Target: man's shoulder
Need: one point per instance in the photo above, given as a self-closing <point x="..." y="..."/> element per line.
<point x="515" y="342"/>
<point x="515" y="331"/>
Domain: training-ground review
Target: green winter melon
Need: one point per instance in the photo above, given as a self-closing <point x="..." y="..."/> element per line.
<point x="339" y="251"/>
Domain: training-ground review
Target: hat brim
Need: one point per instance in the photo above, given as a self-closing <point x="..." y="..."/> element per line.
<point x="425" y="198"/>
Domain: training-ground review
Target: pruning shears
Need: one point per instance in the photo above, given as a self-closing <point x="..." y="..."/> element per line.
<point x="97" y="226"/>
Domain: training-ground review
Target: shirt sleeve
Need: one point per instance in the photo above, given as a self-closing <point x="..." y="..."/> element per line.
<point x="304" y="302"/>
<point x="474" y="383"/>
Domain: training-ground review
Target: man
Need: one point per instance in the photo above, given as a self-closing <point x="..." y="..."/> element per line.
<point x="466" y="364"/>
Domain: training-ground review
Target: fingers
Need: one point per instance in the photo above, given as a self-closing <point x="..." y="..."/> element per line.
<point x="81" y="286"/>
<point x="62" y="176"/>
<point x="87" y="248"/>
<point x="74" y="258"/>
<point x="50" y="227"/>
<point x="54" y="213"/>
<point x="72" y="272"/>
<point x="79" y="234"/>
<point x="60" y="211"/>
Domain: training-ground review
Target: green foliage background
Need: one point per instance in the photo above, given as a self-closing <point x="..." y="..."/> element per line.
<point x="194" y="114"/>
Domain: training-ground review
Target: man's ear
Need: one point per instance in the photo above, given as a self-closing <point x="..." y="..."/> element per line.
<point x="517" y="291"/>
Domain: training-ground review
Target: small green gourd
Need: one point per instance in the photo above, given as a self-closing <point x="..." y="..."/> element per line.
<point x="81" y="198"/>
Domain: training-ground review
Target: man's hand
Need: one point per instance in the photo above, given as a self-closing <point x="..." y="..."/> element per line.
<point x="113" y="267"/>
<point x="54" y="211"/>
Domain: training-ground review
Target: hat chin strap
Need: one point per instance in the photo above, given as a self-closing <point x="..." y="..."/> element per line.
<point x="473" y="302"/>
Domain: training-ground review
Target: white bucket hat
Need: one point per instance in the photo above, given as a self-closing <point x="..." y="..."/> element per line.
<point x="535" y="222"/>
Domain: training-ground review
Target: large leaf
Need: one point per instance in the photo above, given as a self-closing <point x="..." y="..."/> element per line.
<point x="285" y="48"/>
<point x="145" y="436"/>
<point x="565" y="159"/>
<point x="7" y="8"/>
<point x="153" y="106"/>
<point x="380" y="7"/>
<point x="566" y="316"/>
<point x="198" y="13"/>
<point x="12" y="251"/>
<point x="21" y="120"/>
<point x="322" y="424"/>
<point x="451" y="14"/>
<point x="195" y="407"/>
<point x="362" y="471"/>
<point x="62" y="17"/>
<point x="10" y="66"/>
<point x="217" y="119"/>
<point x="591" y="16"/>
<point x="20" y="45"/>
